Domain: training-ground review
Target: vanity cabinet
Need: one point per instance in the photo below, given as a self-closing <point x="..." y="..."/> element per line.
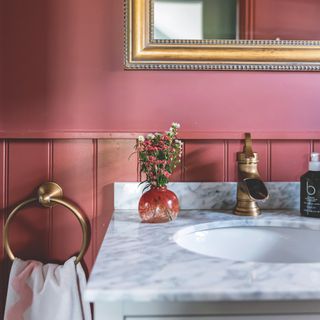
<point x="226" y="318"/>
<point x="298" y="310"/>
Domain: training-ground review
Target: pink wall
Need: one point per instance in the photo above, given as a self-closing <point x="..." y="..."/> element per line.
<point x="62" y="64"/>
<point x="287" y="19"/>
<point x="61" y="70"/>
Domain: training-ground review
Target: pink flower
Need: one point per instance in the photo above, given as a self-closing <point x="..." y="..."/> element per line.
<point x="166" y="174"/>
<point x="158" y="154"/>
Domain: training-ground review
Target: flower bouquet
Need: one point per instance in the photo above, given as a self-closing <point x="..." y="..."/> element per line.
<point x="159" y="155"/>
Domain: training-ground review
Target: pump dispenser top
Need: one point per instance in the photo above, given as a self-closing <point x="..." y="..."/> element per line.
<point x="314" y="164"/>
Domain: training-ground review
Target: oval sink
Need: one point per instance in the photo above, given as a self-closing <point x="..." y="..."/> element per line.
<point x="259" y="242"/>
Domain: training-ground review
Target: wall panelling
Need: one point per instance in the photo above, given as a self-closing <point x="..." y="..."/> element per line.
<point x="86" y="167"/>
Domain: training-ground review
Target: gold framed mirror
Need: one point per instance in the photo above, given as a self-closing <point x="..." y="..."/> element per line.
<point x="148" y="46"/>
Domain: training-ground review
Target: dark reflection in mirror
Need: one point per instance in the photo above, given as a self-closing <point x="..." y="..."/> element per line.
<point x="237" y="19"/>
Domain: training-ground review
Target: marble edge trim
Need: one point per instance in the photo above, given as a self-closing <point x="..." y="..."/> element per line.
<point x="209" y="195"/>
<point x="102" y="295"/>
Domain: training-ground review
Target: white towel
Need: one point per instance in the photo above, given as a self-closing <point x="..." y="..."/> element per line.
<point x="40" y="291"/>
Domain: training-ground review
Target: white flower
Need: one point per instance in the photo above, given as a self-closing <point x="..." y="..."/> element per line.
<point x="175" y="125"/>
<point x="150" y="136"/>
<point x="179" y="142"/>
<point x="141" y="138"/>
<point x="157" y="134"/>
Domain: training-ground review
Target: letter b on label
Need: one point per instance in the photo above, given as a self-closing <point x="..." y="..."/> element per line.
<point x="311" y="190"/>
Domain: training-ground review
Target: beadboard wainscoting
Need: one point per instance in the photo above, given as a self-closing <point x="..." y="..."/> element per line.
<point x="87" y="165"/>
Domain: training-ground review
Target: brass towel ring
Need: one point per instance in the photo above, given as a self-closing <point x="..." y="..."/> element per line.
<point x="49" y="194"/>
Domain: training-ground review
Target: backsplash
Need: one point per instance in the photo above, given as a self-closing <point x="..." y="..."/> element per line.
<point x="210" y="195"/>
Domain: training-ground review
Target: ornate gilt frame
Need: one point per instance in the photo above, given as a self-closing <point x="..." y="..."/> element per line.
<point x="144" y="52"/>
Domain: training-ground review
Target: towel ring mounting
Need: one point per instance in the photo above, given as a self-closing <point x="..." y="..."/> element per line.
<point x="49" y="195"/>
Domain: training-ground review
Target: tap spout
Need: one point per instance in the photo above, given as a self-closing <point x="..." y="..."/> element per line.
<point x="256" y="188"/>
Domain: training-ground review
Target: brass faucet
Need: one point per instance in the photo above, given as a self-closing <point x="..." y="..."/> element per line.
<point x="250" y="186"/>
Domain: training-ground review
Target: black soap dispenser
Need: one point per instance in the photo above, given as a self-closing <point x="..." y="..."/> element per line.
<point x="310" y="189"/>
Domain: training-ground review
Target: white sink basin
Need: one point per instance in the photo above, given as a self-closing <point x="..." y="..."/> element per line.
<point x="259" y="242"/>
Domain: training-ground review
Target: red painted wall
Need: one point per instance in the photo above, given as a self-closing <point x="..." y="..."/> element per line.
<point x="286" y="19"/>
<point x="62" y="64"/>
<point x="61" y="69"/>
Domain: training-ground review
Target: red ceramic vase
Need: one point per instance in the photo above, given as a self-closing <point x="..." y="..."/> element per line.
<point x="158" y="205"/>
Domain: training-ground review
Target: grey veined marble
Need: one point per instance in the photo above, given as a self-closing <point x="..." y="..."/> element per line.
<point x="141" y="262"/>
<point x="210" y="196"/>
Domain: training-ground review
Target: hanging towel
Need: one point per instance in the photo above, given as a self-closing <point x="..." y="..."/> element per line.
<point x="40" y="291"/>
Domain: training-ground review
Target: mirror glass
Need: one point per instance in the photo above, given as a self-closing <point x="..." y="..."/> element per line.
<point x="236" y="19"/>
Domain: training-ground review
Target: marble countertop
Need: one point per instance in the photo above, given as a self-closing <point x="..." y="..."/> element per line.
<point x="142" y="263"/>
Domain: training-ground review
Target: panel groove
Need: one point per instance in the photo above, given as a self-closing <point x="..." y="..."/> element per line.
<point x="139" y="176"/>
<point x="183" y="164"/>
<point x="50" y="175"/>
<point x="225" y="161"/>
<point x="6" y="189"/>
<point x="4" y="182"/>
<point x="4" y="267"/>
<point x="269" y="160"/>
<point x="313" y="145"/>
<point x="95" y="201"/>
<point x="6" y="263"/>
<point x="7" y="158"/>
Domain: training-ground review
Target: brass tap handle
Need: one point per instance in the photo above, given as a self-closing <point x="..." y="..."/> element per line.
<point x="250" y="186"/>
<point x="247" y="149"/>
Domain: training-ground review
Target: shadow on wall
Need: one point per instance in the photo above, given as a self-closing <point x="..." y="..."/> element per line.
<point x="107" y="206"/>
<point x="24" y="49"/>
<point x="199" y="167"/>
<point x="53" y="54"/>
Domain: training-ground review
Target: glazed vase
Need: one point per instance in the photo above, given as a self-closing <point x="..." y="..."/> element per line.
<point x="158" y="205"/>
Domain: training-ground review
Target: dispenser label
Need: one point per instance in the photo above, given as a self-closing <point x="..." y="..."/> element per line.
<point x="310" y="198"/>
